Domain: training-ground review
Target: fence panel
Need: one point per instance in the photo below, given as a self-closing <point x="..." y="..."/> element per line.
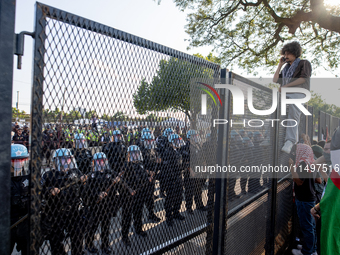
<point x="88" y="80"/>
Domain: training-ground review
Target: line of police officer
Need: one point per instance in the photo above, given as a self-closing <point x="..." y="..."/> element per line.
<point x="82" y="192"/>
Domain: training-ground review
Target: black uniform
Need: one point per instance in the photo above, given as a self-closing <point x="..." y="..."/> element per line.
<point x="162" y="146"/>
<point x="19" y="208"/>
<point x="20" y="139"/>
<point x="62" y="212"/>
<point x="135" y="178"/>
<point x="49" y="141"/>
<point x="100" y="211"/>
<point x="172" y="175"/>
<point x="150" y="164"/>
<point x="116" y="154"/>
<point x="193" y="186"/>
<point x="83" y="158"/>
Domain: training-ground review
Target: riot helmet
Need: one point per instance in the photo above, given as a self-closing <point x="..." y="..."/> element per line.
<point x="64" y="160"/>
<point x="167" y="132"/>
<point x="80" y="141"/>
<point x="148" y="141"/>
<point x="117" y="136"/>
<point x="100" y="162"/>
<point x="235" y="137"/>
<point x="20" y="160"/>
<point x="193" y="136"/>
<point x="146" y="131"/>
<point x="258" y="137"/>
<point x="242" y="133"/>
<point x="134" y="153"/>
<point x="176" y="141"/>
<point x="247" y="142"/>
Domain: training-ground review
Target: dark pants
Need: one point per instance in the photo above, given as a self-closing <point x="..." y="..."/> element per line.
<point x="174" y="196"/>
<point x="132" y="205"/>
<point x="98" y="214"/>
<point x="307" y="226"/>
<point x="193" y="190"/>
<point x="20" y="236"/>
<point x="149" y="189"/>
<point x="73" y="223"/>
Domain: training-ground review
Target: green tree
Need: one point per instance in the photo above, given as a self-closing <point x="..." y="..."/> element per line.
<point x="250" y="33"/>
<point x="170" y="87"/>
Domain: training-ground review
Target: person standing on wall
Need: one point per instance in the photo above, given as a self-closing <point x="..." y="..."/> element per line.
<point x="296" y="73"/>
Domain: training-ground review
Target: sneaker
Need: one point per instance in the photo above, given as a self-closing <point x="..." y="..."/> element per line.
<point x="91" y="249"/>
<point x="296" y="252"/>
<point x="287" y="147"/>
<point x="299" y="246"/>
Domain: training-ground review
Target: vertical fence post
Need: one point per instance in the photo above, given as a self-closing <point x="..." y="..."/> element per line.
<point x="221" y="182"/>
<point x="272" y="193"/>
<point x="7" y="21"/>
<point x="36" y="127"/>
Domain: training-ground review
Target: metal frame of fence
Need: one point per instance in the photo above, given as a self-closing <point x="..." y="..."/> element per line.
<point x="217" y="218"/>
<point x="7" y="21"/>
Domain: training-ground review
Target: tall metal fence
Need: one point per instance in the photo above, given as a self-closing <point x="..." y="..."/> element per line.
<point x="83" y="70"/>
<point x="326" y="123"/>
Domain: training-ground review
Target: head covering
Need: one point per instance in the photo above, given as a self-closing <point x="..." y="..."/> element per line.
<point x="304" y="153"/>
<point x="317" y="150"/>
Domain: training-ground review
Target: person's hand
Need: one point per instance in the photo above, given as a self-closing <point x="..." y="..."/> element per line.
<point x="54" y="191"/>
<point x="83" y="178"/>
<point x="314" y="214"/>
<point x="282" y="61"/>
<point x="117" y="179"/>
<point x="290" y="161"/>
<point x="306" y="139"/>
<point x="133" y="192"/>
<point x="102" y="195"/>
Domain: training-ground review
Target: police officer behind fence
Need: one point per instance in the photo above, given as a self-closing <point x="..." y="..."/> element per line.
<point x="136" y="178"/>
<point x="148" y="148"/>
<point x="116" y="151"/>
<point x="173" y="182"/>
<point x="81" y="153"/>
<point x="62" y="192"/>
<point x="100" y="190"/>
<point x="163" y="145"/>
<point x="19" y="197"/>
<point x="193" y="186"/>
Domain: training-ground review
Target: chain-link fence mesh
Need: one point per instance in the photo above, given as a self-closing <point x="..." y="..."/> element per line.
<point x="327" y="123"/>
<point x="110" y="150"/>
<point x="110" y="125"/>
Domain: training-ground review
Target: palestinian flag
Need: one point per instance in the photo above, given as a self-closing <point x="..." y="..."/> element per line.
<point x="330" y="204"/>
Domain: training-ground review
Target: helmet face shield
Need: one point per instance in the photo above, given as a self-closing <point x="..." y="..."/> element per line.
<point x="178" y="143"/>
<point x="80" y="144"/>
<point x="20" y="167"/>
<point x="195" y="138"/>
<point x="149" y="143"/>
<point x="135" y="156"/>
<point x="65" y="163"/>
<point x="101" y="164"/>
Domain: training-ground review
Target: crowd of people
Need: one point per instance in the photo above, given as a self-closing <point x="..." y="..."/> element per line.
<point x="83" y="187"/>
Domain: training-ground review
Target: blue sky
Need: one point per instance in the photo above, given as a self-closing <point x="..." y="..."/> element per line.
<point x="162" y="23"/>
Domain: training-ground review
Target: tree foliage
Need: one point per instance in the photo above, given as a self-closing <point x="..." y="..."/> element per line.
<point x="251" y="32"/>
<point x="170" y="87"/>
<point x="320" y="104"/>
